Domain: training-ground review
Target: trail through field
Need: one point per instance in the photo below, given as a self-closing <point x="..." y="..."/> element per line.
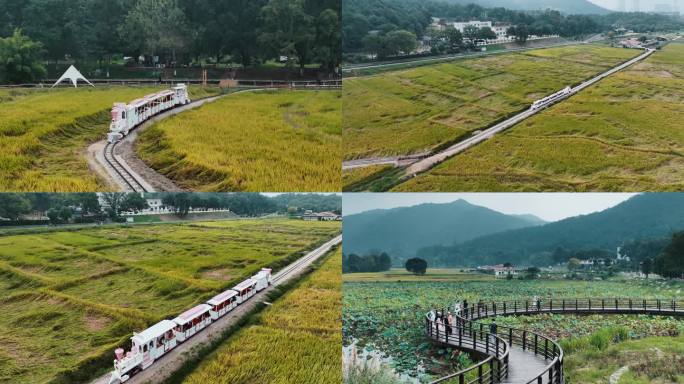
<point x="615" y="377"/>
<point x="165" y="368"/>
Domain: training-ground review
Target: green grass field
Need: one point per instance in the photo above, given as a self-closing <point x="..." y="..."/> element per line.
<point x="296" y="340"/>
<point x="255" y="141"/>
<point x="623" y="134"/>
<point x="44" y="134"/>
<point x="71" y="296"/>
<point x="385" y="312"/>
<point x="417" y="110"/>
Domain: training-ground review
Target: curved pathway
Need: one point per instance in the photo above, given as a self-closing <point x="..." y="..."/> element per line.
<point x="521" y="356"/>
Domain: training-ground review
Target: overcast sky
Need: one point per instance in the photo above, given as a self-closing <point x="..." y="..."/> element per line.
<point x="642" y="5"/>
<point x="548" y="206"/>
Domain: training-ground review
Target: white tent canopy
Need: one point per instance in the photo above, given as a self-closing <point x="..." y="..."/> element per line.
<point x="74" y="75"/>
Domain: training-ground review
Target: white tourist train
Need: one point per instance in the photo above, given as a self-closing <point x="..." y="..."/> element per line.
<point x="154" y="342"/>
<point x="548" y="100"/>
<point x="125" y="117"/>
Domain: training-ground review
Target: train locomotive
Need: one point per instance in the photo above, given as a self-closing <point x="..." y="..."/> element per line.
<point x="154" y="342"/>
<point x="125" y="117"/>
<point x="548" y="100"/>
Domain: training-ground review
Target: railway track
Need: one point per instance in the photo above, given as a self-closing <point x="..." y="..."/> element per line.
<point x="130" y="180"/>
<point x="172" y="361"/>
<point x="304" y="261"/>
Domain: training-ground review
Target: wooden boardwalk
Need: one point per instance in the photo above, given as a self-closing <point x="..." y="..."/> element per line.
<point x="519" y="356"/>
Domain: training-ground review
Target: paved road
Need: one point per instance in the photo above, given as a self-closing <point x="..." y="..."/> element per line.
<point x="172" y="361"/>
<point x="431" y="161"/>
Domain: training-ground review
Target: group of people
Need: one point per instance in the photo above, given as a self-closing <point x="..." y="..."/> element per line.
<point x="443" y="322"/>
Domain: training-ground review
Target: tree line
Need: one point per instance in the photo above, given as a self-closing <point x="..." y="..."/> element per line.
<point x="60" y="208"/>
<point x="178" y="32"/>
<point x="365" y="23"/>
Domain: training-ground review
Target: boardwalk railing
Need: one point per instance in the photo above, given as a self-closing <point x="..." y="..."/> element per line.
<point x="490" y="370"/>
<point x="540" y="345"/>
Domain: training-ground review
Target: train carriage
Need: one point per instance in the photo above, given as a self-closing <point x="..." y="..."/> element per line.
<point x="245" y="290"/>
<point x="125" y="117"/>
<point x="192" y="321"/>
<point x="147" y="346"/>
<point x="223" y="303"/>
<point x="263" y="279"/>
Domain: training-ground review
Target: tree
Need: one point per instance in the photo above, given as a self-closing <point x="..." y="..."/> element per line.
<point x="20" y="59"/>
<point x="454" y="38"/>
<point x="53" y="215"/>
<point x="471" y="33"/>
<point x="156" y="27"/>
<point x="573" y="264"/>
<point x="113" y="201"/>
<point x="328" y="48"/>
<point x="401" y="41"/>
<point x="13" y="205"/>
<point x="647" y="267"/>
<point x="532" y="273"/>
<point x="520" y="32"/>
<point x="134" y="202"/>
<point x="486" y="33"/>
<point x="416" y="266"/>
<point x="671" y="262"/>
<point x="180" y="202"/>
<point x="288" y="31"/>
<point x="65" y="214"/>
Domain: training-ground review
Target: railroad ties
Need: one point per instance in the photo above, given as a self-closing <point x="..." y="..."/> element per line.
<point x="130" y="181"/>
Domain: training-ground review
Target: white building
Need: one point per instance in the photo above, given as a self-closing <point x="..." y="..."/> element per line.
<point x="321" y="216"/>
<point x="498" y="270"/>
<point x="475" y="23"/>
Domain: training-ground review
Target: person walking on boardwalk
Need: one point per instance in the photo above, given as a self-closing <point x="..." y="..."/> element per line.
<point x="451" y="320"/>
<point x="465" y="308"/>
<point x="492" y="331"/>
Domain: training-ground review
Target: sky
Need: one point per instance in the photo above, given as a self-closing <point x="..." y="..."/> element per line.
<point x="643" y="5"/>
<point x="548" y="206"/>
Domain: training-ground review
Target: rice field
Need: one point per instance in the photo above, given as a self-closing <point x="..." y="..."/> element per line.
<point x="256" y="141"/>
<point x="44" y="134"/>
<point x="623" y="134"/>
<point x="70" y="297"/>
<point x="296" y="340"/>
<point x="417" y="110"/>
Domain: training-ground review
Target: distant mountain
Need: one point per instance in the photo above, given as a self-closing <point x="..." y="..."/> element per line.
<point x="402" y="231"/>
<point x="532" y="219"/>
<point x="650" y="215"/>
<point x="563" y="6"/>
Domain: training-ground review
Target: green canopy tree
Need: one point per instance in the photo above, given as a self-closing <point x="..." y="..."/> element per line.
<point x="13" y="205"/>
<point x="288" y="31"/>
<point x="416" y="266"/>
<point x="156" y="27"/>
<point x="20" y="59"/>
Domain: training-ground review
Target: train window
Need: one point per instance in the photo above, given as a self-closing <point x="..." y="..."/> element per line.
<point x="123" y="115"/>
<point x="145" y="348"/>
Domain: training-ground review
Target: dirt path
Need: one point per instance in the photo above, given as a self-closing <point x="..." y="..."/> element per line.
<point x="164" y="368"/>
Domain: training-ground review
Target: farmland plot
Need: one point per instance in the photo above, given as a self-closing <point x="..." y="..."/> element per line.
<point x="417" y="110"/>
<point x="296" y="340"/>
<point x="256" y="141"/>
<point x="75" y="295"/>
<point x="623" y="134"/>
<point x="388" y="315"/>
<point x="44" y="133"/>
